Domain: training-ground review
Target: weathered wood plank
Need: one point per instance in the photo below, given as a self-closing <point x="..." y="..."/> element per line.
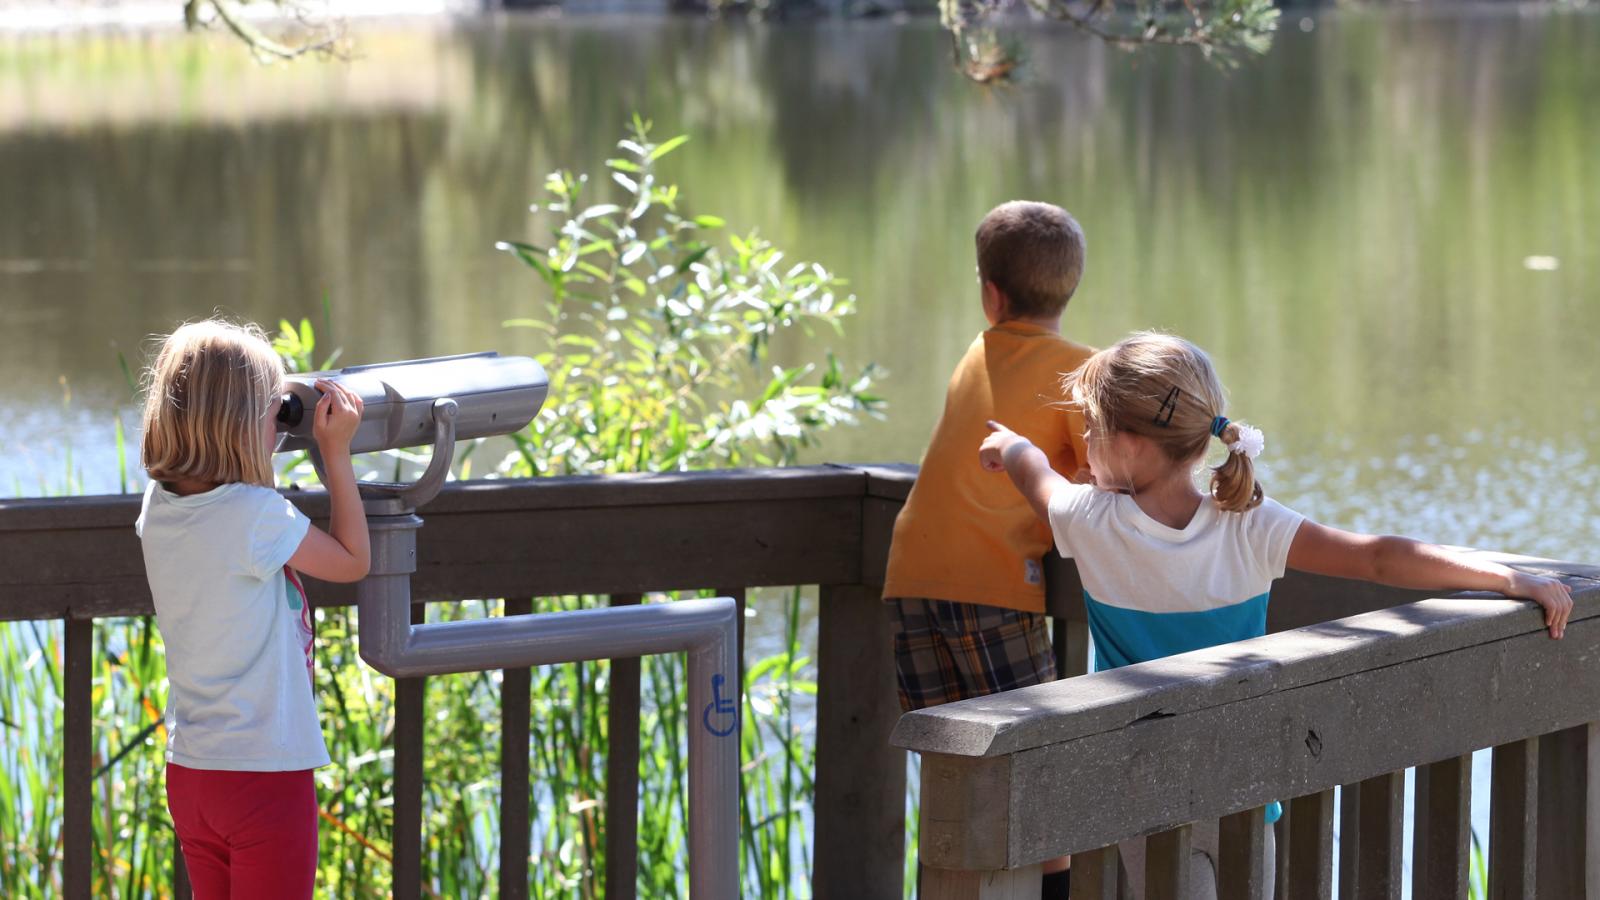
<point x="861" y="779"/>
<point x="495" y="539"/>
<point x="1166" y="864"/>
<point x="1349" y="840"/>
<point x="1567" y="849"/>
<point x="1281" y="830"/>
<point x="1052" y="714"/>
<point x="622" y="773"/>
<point x="1442" y="843"/>
<point x="963" y="816"/>
<point x="1379" y="864"/>
<point x="77" y="741"/>
<point x="1242" y="868"/>
<point x="1287" y="743"/>
<point x="1310" y="875"/>
<point x="946" y="884"/>
<point x="1514" y="822"/>
<point x="516" y="695"/>
<point x="1095" y="874"/>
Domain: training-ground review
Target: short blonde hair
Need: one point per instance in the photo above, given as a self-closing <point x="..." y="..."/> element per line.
<point x="1033" y="252"/>
<point x="1164" y="388"/>
<point x="206" y="394"/>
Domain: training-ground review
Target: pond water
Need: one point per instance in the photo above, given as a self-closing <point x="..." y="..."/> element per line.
<point x="1387" y="231"/>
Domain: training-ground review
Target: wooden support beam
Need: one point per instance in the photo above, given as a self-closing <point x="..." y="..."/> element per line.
<point x="1243" y="867"/>
<point x="622" y="773"/>
<point x="861" y="778"/>
<point x="77" y="739"/>
<point x="516" y="695"/>
<point x="1381" y="854"/>
<point x="1310" y="875"/>
<point x="1166" y="864"/>
<point x="1442" y="830"/>
<point x="1568" y="831"/>
<point x="1514" y="821"/>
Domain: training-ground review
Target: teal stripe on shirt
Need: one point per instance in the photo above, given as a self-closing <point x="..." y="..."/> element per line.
<point x="1123" y="637"/>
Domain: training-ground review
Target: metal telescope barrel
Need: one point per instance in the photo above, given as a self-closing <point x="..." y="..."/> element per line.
<point x="494" y="395"/>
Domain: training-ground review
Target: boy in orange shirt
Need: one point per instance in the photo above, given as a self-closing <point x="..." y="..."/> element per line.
<point x="964" y="575"/>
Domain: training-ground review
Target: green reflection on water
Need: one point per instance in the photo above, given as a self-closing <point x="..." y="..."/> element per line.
<point x="1344" y="224"/>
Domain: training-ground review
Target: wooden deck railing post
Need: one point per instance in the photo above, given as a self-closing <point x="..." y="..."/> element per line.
<point x="1242" y="870"/>
<point x="1569" y="861"/>
<point x="622" y="773"/>
<point x="1442" y="832"/>
<point x="516" y="696"/>
<point x="861" y="778"/>
<point x="1310" y="875"/>
<point x="1096" y="875"/>
<point x="1380" y="837"/>
<point x="408" y="728"/>
<point x="1514" y="821"/>
<point x="77" y="837"/>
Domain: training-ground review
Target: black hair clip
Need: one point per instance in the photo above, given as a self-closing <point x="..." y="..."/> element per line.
<point x="1168" y="407"/>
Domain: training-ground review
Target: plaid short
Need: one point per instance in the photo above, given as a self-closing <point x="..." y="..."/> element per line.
<point x="946" y="651"/>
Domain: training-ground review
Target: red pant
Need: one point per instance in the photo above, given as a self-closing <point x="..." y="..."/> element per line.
<point x="246" y="835"/>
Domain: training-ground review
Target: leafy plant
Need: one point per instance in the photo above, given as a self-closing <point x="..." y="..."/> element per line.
<point x="659" y="334"/>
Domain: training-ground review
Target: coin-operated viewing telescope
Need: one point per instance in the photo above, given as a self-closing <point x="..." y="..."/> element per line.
<point x="435" y="401"/>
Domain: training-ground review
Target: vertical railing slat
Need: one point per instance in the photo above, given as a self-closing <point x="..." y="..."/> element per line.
<point x="1349" y="840"/>
<point x="1443" y="830"/>
<point x="1281" y="830"/>
<point x="1382" y="829"/>
<point x="516" y="687"/>
<point x="1514" y="821"/>
<point x="77" y="836"/>
<point x="860" y="777"/>
<point x="1070" y="641"/>
<point x="1310" y="875"/>
<point x="1095" y="874"/>
<point x="1242" y="870"/>
<point x="622" y="773"/>
<point x="408" y="727"/>
<point x="1166" y="864"/>
<point x="1566" y="865"/>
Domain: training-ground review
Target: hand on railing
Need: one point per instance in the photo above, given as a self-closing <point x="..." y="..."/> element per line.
<point x="1555" y="597"/>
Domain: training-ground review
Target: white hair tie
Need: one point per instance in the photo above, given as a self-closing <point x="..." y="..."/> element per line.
<point x="1251" y="441"/>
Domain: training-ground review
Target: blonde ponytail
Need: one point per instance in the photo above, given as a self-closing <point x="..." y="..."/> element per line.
<point x="1233" y="483"/>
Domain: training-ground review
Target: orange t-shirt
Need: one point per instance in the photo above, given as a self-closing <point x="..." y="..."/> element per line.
<point x="965" y="534"/>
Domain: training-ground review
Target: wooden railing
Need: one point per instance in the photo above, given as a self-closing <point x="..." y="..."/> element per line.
<point x="1008" y="781"/>
<point x="77" y="559"/>
<point x="1074" y="767"/>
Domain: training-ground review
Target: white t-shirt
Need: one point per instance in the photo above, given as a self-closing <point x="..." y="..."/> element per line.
<point x="236" y="626"/>
<point x="1152" y="590"/>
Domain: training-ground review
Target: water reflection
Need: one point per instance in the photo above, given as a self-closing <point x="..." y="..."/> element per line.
<point x="1343" y="224"/>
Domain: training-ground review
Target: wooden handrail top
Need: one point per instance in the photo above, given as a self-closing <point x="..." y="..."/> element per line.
<point x="79" y="558"/>
<point x="1015" y="779"/>
<point x="1027" y="718"/>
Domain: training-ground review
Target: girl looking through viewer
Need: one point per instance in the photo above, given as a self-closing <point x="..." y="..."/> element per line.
<point x="1168" y="568"/>
<point x="223" y="553"/>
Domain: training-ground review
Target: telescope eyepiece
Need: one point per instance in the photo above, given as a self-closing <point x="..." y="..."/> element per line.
<point x="292" y="412"/>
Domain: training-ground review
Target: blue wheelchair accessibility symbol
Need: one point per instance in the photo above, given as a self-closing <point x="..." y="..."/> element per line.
<point x="720" y="706"/>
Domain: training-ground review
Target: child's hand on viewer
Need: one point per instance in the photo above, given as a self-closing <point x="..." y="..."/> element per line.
<point x="1553" y="595"/>
<point x="991" y="455"/>
<point x="337" y="416"/>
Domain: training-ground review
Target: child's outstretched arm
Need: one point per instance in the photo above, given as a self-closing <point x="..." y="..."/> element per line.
<point x="1006" y="451"/>
<point x="1402" y="562"/>
<point x="345" y="554"/>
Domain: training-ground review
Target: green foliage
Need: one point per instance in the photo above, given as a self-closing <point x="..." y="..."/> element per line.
<point x="659" y="333"/>
<point x="658" y="336"/>
<point x="1224" y="31"/>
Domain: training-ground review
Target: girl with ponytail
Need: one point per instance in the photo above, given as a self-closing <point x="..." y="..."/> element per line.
<point x="1167" y="568"/>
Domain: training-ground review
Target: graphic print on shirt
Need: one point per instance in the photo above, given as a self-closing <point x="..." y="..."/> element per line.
<point x="296" y="597"/>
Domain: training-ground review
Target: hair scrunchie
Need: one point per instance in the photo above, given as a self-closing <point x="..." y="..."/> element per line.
<point x="1218" y="423"/>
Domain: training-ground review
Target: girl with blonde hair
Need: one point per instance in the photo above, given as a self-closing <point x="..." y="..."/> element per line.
<point x="1167" y="567"/>
<point x="221" y="551"/>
